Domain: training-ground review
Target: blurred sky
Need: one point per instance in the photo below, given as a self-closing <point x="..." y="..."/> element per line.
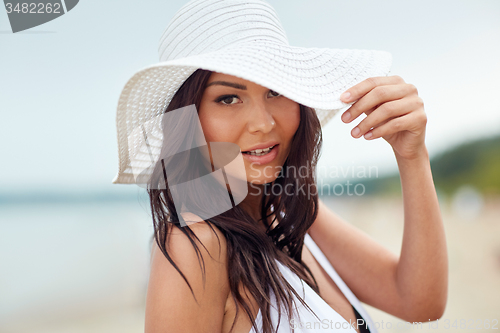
<point x="60" y="82"/>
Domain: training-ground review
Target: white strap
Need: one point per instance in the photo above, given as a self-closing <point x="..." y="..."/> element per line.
<point x="323" y="261"/>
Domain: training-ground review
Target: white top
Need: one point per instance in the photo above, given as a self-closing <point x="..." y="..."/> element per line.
<point x="331" y="320"/>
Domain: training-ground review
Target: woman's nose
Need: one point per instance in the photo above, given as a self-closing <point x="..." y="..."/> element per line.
<point x="260" y="119"/>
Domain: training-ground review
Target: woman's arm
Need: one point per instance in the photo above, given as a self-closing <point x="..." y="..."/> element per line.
<point x="414" y="285"/>
<point x="170" y="305"/>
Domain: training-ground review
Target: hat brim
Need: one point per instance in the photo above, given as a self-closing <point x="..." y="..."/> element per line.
<point x="314" y="77"/>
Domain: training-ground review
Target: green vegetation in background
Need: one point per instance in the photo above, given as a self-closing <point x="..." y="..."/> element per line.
<point x="475" y="163"/>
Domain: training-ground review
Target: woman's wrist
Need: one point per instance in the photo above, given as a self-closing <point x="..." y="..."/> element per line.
<point x="415" y="170"/>
<point x="420" y="154"/>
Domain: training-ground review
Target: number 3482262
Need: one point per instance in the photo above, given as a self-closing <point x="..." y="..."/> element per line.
<point x="472" y="324"/>
<point x="34" y="8"/>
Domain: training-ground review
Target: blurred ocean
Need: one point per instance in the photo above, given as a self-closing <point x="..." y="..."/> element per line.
<point x="68" y="260"/>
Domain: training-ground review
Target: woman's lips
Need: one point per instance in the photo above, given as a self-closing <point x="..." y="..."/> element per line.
<point x="265" y="159"/>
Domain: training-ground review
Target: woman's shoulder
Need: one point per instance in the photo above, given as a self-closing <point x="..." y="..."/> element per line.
<point x="171" y="305"/>
<point x="207" y="234"/>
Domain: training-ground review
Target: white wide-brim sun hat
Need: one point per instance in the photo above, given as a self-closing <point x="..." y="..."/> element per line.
<point x="243" y="38"/>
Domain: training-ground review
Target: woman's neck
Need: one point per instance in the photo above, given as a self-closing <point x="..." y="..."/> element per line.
<point x="252" y="204"/>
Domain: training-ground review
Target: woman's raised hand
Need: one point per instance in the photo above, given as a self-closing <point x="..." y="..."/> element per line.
<point x="394" y="112"/>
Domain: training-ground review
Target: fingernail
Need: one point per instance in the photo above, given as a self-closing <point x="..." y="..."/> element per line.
<point x="368" y="135"/>
<point x="346" y="116"/>
<point x="345" y="96"/>
<point x="356" y="131"/>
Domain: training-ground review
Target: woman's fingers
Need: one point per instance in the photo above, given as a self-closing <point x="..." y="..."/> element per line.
<point x="394" y="112"/>
<point x="362" y="88"/>
<point x="391" y="106"/>
<point x="408" y="122"/>
<point x="385" y="112"/>
<point x="377" y="96"/>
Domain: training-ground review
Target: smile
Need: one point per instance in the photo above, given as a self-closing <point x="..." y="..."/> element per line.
<point x="259" y="152"/>
<point x="262" y="156"/>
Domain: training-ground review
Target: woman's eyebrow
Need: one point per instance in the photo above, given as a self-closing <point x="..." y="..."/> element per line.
<point x="228" y="84"/>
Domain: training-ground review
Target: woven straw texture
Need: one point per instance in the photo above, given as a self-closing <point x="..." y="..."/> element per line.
<point x="243" y="38"/>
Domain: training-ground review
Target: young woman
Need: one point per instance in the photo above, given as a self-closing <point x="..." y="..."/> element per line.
<point x="276" y="261"/>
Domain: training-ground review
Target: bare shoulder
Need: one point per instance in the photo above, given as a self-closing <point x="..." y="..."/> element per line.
<point x="170" y="304"/>
<point x="211" y="237"/>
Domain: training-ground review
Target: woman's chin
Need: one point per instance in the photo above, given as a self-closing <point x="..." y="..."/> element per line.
<point x="261" y="180"/>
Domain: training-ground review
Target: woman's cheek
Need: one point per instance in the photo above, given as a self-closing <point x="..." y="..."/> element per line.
<point x="292" y="121"/>
<point x="210" y="126"/>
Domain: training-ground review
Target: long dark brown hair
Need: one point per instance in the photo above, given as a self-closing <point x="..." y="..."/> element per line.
<point x="253" y="250"/>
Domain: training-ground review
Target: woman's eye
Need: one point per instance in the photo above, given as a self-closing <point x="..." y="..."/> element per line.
<point x="274" y="93"/>
<point x="226" y="100"/>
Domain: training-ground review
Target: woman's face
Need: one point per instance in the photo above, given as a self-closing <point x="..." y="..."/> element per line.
<point x="253" y="117"/>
